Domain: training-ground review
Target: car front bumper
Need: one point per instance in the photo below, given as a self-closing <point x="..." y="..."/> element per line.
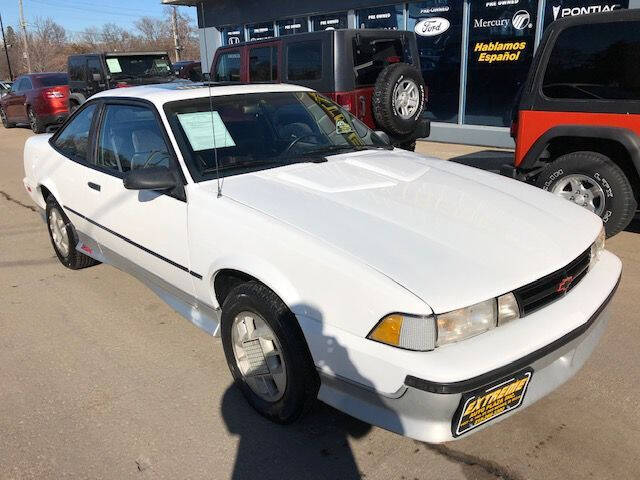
<point x="425" y="410"/>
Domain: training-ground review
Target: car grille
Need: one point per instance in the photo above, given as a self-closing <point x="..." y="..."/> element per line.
<point x="537" y="294"/>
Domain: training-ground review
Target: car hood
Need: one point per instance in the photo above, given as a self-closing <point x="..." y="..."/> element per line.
<point x="451" y="234"/>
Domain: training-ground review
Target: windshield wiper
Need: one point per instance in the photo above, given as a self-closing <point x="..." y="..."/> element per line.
<point x="253" y="163"/>
<point x="331" y="149"/>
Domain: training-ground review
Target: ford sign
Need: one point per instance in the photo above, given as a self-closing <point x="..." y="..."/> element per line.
<point x="430" y="27"/>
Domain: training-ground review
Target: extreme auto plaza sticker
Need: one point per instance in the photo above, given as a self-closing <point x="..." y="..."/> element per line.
<point x="488" y="403"/>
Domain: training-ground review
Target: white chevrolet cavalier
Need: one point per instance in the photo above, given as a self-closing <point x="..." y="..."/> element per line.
<point x="423" y="296"/>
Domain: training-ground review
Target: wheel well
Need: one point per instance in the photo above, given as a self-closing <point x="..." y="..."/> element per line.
<point x="226" y="280"/>
<point x="611" y="148"/>
<point x="45" y="192"/>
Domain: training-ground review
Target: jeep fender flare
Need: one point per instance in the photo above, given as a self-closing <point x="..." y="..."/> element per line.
<point x="625" y="137"/>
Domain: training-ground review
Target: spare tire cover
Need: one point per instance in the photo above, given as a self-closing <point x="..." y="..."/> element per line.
<point x="398" y="99"/>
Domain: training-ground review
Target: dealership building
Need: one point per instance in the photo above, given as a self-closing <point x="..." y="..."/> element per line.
<point x="474" y="54"/>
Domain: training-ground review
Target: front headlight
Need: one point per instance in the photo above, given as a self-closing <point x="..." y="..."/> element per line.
<point x="597" y="247"/>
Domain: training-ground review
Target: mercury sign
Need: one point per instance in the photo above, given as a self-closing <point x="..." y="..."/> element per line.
<point x="430" y="27"/>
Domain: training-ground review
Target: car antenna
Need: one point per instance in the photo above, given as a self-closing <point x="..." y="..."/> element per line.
<point x="213" y="124"/>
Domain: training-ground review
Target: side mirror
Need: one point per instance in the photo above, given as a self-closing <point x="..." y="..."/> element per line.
<point x="383" y="136"/>
<point x="96" y="77"/>
<point x="153" y="178"/>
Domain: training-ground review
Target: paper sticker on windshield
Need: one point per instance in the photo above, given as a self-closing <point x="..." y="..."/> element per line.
<point x="114" y="65"/>
<point x="161" y="64"/>
<point x="342" y="127"/>
<point x="205" y="130"/>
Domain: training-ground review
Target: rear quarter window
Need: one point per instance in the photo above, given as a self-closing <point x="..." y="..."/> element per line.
<point x="228" y="67"/>
<point x="595" y="62"/>
<point x="371" y="55"/>
<point x="304" y="60"/>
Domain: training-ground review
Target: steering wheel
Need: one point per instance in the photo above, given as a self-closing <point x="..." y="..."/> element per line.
<point x="296" y="140"/>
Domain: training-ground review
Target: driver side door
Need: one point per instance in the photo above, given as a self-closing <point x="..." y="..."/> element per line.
<point x="143" y="232"/>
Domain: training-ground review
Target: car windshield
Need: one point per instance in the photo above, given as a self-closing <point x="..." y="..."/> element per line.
<point x="263" y="130"/>
<point x="138" y="66"/>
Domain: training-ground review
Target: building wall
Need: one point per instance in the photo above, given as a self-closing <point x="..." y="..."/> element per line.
<point x="474" y="54"/>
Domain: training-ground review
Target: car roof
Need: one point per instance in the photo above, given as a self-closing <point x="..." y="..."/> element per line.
<point x="169" y="92"/>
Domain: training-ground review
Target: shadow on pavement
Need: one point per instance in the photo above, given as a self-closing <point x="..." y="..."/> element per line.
<point x="490" y="160"/>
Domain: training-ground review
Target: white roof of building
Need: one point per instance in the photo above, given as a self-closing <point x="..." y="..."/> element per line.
<point x="170" y="92"/>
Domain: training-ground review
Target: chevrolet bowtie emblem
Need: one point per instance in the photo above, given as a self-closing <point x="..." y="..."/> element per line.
<point x="564" y="285"/>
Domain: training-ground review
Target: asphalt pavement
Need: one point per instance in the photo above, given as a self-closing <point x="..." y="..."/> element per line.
<point x="100" y="379"/>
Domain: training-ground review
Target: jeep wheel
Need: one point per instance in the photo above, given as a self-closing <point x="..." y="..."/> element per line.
<point x="593" y="181"/>
<point x="267" y="353"/>
<point x="64" y="238"/>
<point x="398" y="99"/>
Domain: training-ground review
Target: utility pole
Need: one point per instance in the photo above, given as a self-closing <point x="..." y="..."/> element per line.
<point x="176" y="43"/>
<point x="6" y="52"/>
<point x="25" y="42"/>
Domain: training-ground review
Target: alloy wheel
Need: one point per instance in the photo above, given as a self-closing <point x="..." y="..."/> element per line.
<point x="405" y="98"/>
<point x="258" y="355"/>
<point x="59" y="232"/>
<point x="581" y="190"/>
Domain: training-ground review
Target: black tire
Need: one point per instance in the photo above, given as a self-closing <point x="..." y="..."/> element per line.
<point x="73" y="106"/>
<point x="620" y="203"/>
<point x="386" y="114"/>
<point x="74" y="259"/>
<point x="35" y="122"/>
<point x="5" y="122"/>
<point x="302" y="378"/>
<point x="410" y="146"/>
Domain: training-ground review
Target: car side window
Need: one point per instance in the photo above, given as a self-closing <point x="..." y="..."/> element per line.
<point x="263" y="64"/>
<point x="131" y="138"/>
<point x="304" y="60"/>
<point x="76" y="69"/>
<point x="26" y="84"/>
<point x="228" y="67"/>
<point x="17" y="87"/>
<point x="93" y="66"/>
<point x="73" y="140"/>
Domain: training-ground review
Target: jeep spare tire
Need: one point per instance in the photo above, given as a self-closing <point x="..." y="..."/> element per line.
<point x="398" y="99"/>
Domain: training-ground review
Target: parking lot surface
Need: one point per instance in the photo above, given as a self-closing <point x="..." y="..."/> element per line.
<point x="100" y="379"/>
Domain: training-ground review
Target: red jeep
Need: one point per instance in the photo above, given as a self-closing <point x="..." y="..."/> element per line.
<point x="577" y="126"/>
<point x="375" y="74"/>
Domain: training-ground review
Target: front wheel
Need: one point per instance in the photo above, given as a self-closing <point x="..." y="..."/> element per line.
<point x="591" y="180"/>
<point x="267" y="353"/>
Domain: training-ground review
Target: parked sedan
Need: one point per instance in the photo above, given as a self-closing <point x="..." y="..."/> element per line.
<point x="4" y="88"/>
<point x="39" y="99"/>
<point x="423" y="296"/>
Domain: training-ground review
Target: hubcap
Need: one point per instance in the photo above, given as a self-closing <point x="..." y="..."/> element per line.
<point x="581" y="190"/>
<point x="59" y="233"/>
<point x="258" y="356"/>
<point x="406" y="98"/>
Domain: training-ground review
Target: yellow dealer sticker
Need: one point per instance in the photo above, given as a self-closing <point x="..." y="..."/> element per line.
<point x="488" y="403"/>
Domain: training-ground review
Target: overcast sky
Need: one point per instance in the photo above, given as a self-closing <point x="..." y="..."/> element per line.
<point x="76" y="15"/>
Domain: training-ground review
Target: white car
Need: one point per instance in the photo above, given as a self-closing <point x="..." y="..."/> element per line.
<point x="420" y="295"/>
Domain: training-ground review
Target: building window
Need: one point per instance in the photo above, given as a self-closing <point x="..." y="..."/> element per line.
<point x="232" y="35"/>
<point x="292" y="25"/>
<point x="333" y="21"/>
<point x="260" y="31"/>
<point x="501" y="42"/>
<point x="390" y="17"/>
<point x="304" y="60"/>
<point x="438" y="28"/>
<point x="592" y="67"/>
<point x="556" y="9"/>
<point x="263" y="64"/>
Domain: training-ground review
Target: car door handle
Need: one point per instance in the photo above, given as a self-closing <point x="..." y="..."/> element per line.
<point x="95" y="186"/>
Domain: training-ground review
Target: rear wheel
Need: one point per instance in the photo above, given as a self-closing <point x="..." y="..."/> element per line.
<point x="34" y="122"/>
<point x="5" y="122"/>
<point x="591" y="180"/>
<point x="267" y="353"/>
<point x="64" y="238"/>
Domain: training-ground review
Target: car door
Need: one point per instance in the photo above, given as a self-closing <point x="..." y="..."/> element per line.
<point x="13" y="101"/>
<point x="21" y="99"/>
<point x="144" y="232"/>
<point x="67" y="172"/>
